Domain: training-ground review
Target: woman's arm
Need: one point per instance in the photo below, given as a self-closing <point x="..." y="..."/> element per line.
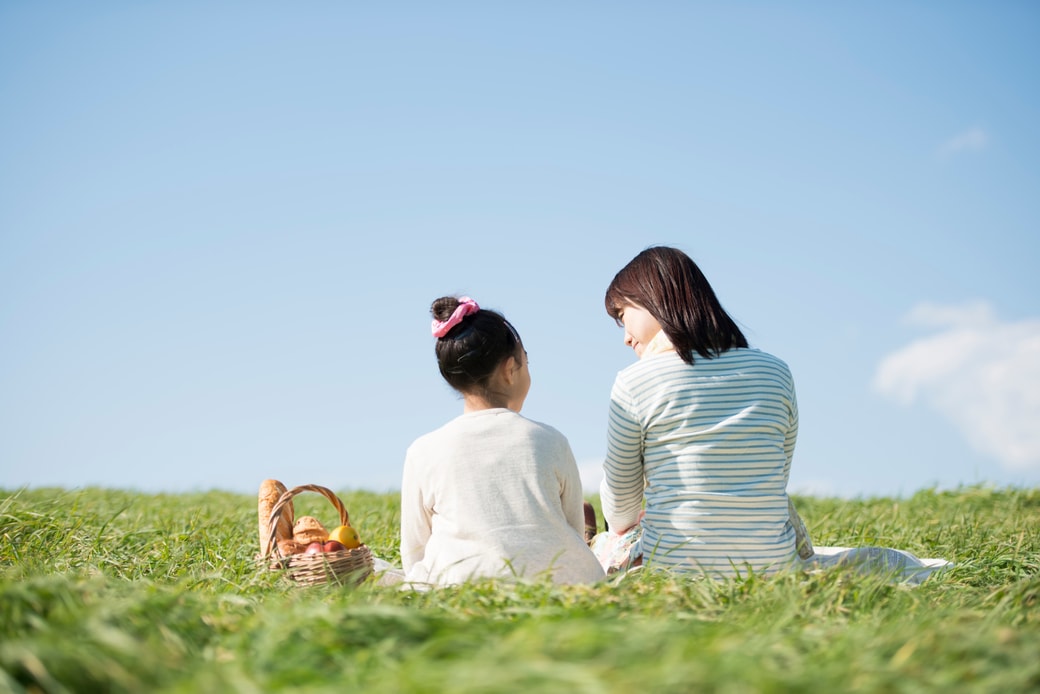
<point x="621" y="492"/>
<point x="792" y="427"/>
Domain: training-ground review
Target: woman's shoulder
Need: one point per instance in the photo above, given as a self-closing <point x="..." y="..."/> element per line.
<point x="653" y="362"/>
<point x="755" y="363"/>
<point x="754" y="355"/>
<point x="671" y="365"/>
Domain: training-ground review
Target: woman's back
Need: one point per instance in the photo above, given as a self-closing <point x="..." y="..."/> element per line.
<point x="715" y="441"/>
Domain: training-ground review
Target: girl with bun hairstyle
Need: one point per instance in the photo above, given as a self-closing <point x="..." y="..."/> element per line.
<point x="490" y="493"/>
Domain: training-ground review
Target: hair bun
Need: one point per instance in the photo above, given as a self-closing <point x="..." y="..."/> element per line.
<point x="443" y="307"/>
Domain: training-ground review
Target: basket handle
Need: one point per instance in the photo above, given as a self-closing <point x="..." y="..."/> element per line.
<point x="286" y="497"/>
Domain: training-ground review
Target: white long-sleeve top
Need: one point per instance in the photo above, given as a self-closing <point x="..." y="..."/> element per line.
<point x="710" y="446"/>
<point x="492" y="493"/>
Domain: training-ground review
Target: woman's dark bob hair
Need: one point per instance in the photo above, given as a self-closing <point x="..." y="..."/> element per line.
<point x="667" y="283"/>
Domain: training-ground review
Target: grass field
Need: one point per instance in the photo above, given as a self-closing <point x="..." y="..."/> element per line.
<point x="108" y="590"/>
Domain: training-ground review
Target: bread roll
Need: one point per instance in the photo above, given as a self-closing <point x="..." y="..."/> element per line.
<point x="308" y="530"/>
<point x="289" y="547"/>
<point x="270" y="492"/>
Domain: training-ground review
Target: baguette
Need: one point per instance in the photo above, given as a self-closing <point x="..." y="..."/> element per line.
<point x="270" y="492"/>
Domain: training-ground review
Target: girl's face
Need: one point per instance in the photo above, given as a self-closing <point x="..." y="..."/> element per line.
<point x="640" y="327"/>
<point x="521" y="382"/>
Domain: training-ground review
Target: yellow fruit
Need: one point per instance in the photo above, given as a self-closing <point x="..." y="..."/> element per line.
<point x="346" y="536"/>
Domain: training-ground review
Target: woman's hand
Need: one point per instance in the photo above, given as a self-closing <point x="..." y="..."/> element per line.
<point x="631" y="527"/>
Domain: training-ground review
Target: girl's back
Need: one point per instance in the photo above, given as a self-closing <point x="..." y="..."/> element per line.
<point x="488" y="494"/>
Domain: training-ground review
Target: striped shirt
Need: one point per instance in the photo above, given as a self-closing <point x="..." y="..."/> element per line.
<point x="710" y="447"/>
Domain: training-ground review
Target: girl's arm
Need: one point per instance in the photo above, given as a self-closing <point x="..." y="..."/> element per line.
<point x="571" y="495"/>
<point x="415" y="519"/>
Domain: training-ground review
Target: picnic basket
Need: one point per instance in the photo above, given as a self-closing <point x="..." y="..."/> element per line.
<point x="346" y="567"/>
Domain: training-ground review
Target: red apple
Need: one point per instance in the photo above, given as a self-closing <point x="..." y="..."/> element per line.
<point x="333" y="546"/>
<point x="314" y="548"/>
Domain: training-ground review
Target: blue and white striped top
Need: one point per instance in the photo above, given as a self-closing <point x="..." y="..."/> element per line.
<point x="710" y="446"/>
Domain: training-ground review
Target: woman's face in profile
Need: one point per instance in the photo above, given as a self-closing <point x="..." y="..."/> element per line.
<point x="640" y="327"/>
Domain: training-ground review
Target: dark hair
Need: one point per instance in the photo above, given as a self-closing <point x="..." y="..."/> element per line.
<point x="667" y="283"/>
<point x="470" y="352"/>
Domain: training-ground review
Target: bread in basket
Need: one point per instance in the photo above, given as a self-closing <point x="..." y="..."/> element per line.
<point x="285" y="554"/>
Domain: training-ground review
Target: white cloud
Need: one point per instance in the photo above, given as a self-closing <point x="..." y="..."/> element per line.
<point x="971" y="140"/>
<point x="982" y="374"/>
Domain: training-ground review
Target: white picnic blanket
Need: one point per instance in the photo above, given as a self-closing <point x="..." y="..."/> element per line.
<point x="903" y="566"/>
<point x="900" y="565"/>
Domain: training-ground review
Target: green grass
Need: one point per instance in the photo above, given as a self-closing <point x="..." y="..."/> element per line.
<point x="107" y="590"/>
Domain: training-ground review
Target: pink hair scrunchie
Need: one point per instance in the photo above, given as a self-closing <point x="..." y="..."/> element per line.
<point x="466" y="307"/>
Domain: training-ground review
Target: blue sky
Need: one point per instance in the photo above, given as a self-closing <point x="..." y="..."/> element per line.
<point x="222" y="226"/>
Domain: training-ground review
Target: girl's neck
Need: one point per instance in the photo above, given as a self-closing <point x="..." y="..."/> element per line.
<point x="476" y="403"/>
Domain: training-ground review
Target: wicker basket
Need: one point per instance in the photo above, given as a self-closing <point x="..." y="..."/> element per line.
<point x="346" y="567"/>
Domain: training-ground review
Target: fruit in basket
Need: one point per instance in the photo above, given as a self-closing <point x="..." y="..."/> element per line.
<point x="332" y="546"/>
<point x="314" y="548"/>
<point x="347" y="536"/>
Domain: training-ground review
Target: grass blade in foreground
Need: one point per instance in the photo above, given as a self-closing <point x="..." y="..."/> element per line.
<point x="118" y="591"/>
